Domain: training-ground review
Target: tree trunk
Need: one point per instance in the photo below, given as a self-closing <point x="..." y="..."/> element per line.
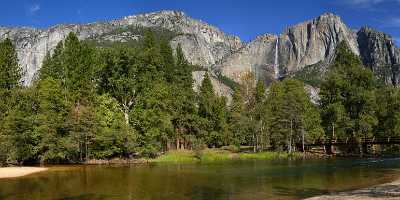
<point x="302" y="140"/>
<point x="254" y="143"/>
<point x="126" y="113"/>
<point x="126" y="107"/>
<point x="177" y="143"/>
<point x="290" y="137"/>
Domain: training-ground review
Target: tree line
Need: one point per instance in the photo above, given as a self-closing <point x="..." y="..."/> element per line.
<point x="126" y="101"/>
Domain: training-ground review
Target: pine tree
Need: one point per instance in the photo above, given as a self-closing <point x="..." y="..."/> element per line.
<point x="168" y="61"/>
<point x="238" y="119"/>
<point x="348" y="95"/>
<point x="51" y="115"/>
<point x="20" y="141"/>
<point x="10" y="72"/>
<point x="206" y="97"/>
<point x="53" y="65"/>
<point x="183" y="100"/>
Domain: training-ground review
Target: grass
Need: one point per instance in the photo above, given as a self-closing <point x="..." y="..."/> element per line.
<point x="213" y="155"/>
<point x="218" y="155"/>
<point x="268" y="156"/>
<point x="181" y="156"/>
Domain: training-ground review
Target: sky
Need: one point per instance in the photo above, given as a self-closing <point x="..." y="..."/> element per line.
<point x="244" y="18"/>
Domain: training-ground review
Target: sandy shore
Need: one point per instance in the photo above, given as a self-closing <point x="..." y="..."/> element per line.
<point x="388" y="191"/>
<point x="13" y="172"/>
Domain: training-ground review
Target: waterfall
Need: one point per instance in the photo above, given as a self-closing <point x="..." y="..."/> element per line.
<point x="276" y="61"/>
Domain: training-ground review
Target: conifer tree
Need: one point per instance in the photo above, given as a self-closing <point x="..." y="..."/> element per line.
<point x="348" y="98"/>
<point x="10" y="72"/>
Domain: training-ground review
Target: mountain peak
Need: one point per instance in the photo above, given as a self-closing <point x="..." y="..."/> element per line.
<point x="167" y="13"/>
<point x="329" y="15"/>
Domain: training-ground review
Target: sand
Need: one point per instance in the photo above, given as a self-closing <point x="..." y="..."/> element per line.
<point x="13" y="172"/>
<point x="388" y="191"/>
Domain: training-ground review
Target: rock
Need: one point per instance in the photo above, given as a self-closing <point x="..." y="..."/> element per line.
<point x="258" y="56"/>
<point x="313" y="41"/>
<point x="301" y="45"/>
<point x="379" y="52"/>
<point x="202" y="44"/>
<point x="313" y="93"/>
<point x="270" y="57"/>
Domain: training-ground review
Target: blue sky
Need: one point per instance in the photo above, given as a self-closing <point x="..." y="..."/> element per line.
<point x="245" y="18"/>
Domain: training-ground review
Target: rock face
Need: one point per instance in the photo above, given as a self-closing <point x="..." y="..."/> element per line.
<point x="259" y="56"/>
<point x="270" y="57"/>
<point x="201" y="43"/>
<point x="313" y="41"/>
<point x="379" y="52"/>
<point x="298" y="46"/>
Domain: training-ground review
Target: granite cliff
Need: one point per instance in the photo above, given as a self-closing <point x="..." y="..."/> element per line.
<point x="270" y="57"/>
<point x="202" y="44"/>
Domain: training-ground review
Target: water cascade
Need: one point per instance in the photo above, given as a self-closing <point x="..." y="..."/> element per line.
<point x="276" y="61"/>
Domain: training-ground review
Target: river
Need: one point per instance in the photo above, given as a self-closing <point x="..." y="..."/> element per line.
<point x="227" y="180"/>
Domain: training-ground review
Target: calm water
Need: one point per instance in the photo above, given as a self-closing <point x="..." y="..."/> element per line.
<point x="233" y="180"/>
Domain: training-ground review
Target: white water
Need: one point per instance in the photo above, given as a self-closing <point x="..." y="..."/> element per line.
<point x="276" y="61"/>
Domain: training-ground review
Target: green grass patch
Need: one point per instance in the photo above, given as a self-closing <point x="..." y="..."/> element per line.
<point x="213" y="155"/>
<point x="180" y="156"/>
<point x="268" y="156"/>
<point x="219" y="155"/>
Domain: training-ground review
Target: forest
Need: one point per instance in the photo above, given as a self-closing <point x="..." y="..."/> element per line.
<point x="137" y="100"/>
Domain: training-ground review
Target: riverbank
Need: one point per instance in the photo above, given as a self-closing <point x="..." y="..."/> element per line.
<point x="217" y="155"/>
<point x="14" y="172"/>
<point x="204" y="156"/>
<point x="388" y="191"/>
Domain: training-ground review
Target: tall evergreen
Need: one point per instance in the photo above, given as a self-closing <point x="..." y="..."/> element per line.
<point x="238" y="119"/>
<point x="10" y="72"/>
<point x="348" y="93"/>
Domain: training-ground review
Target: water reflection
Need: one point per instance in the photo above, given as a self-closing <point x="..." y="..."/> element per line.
<point x="232" y="180"/>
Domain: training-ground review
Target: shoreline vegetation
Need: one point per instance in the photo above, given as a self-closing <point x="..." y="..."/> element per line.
<point x="218" y="155"/>
<point x="203" y="156"/>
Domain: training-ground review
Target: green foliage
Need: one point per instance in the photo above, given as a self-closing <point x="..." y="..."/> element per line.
<point x="125" y="101"/>
<point x="387" y="112"/>
<point x="131" y="36"/>
<point x="311" y="75"/>
<point x="51" y="113"/>
<point x="113" y="136"/>
<point x="74" y="63"/>
<point x="215" y="156"/>
<point x="17" y="129"/>
<point x="177" y="157"/>
<point x="10" y="72"/>
<point x="237" y="119"/>
<point x="213" y="110"/>
<point x="348" y="97"/>
<point x="227" y="81"/>
<point x="290" y="115"/>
